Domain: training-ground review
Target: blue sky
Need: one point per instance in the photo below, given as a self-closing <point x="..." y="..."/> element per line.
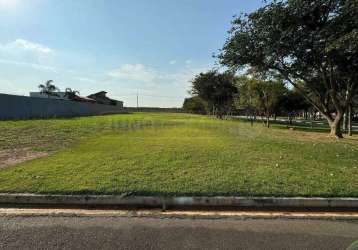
<point x="153" y="47"/>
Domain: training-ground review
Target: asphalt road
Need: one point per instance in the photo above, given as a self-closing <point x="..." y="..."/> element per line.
<point x="145" y="233"/>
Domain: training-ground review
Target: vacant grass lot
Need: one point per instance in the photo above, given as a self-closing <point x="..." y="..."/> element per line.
<point x="177" y="154"/>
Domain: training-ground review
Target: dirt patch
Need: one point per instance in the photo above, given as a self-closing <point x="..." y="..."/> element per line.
<point x="12" y="157"/>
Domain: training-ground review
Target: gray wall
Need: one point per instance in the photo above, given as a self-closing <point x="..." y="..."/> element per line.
<point x="23" y="107"/>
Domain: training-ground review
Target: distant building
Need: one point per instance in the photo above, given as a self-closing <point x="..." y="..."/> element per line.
<point x="62" y="96"/>
<point x="101" y="98"/>
<point x="82" y="99"/>
<point x="55" y="95"/>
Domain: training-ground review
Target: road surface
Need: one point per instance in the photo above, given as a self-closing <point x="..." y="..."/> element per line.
<point x="56" y="232"/>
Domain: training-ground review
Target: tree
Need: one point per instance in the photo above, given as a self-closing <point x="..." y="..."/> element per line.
<point x="71" y="94"/>
<point x="48" y="88"/>
<point x="293" y="102"/>
<point x="216" y="89"/>
<point x="195" y="105"/>
<point x="248" y="97"/>
<point x="260" y="95"/>
<point x="270" y="93"/>
<point x="347" y="120"/>
<point x="313" y="42"/>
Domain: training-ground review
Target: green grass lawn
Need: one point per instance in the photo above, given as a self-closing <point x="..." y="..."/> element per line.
<point x="177" y="154"/>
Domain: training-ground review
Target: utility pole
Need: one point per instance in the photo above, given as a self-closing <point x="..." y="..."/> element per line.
<point x="137" y="100"/>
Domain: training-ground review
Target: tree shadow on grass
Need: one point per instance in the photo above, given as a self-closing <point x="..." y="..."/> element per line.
<point x="299" y="126"/>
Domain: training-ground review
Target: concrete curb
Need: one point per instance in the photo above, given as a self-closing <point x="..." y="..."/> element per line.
<point x="177" y="214"/>
<point x="163" y="202"/>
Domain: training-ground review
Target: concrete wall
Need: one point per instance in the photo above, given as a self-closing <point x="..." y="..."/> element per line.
<point x="23" y="107"/>
<point x="120" y="104"/>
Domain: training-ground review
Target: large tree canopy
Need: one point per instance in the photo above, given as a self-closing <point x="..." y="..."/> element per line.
<point x="195" y="105"/>
<point x="216" y="89"/>
<point x="312" y="44"/>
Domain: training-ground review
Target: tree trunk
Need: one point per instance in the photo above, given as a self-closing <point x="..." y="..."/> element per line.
<point x="345" y="121"/>
<point x="267" y="121"/>
<point x="335" y="126"/>
<point x="336" y="130"/>
<point x="252" y="119"/>
<point x="349" y="118"/>
<point x="290" y="120"/>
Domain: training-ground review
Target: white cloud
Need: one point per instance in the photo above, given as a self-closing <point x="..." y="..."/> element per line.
<point x="188" y="61"/>
<point x="154" y="79"/>
<point x="27" y="54"/>
<point x="8" y="87"/>
<point x="31" y="65"/>
<point x="165" y="89"/>
<point x="135" y="72"/>
<point x="85" y="79"/>
<point x="172" y="62"/>
<point x="21" y="44"/>
<point x="183" y="77"/>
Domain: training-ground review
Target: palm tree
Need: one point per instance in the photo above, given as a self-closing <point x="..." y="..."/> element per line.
<point x="48" y="88"/>
<point x="70" y="93"/>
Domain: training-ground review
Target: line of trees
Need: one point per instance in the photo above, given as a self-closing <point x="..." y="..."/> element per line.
<point x="224" y="94"/>
<point x="311" y="46"/>
<point x="213" y="90"/>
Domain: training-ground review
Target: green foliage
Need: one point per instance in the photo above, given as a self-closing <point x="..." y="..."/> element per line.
<point x="248" y="97"/>
<point x="313" y="42"/>
<point x="269" y="94"/>
<point x="195" y="105"/>
<point x="179" y="154"/>
<point x="48" y="88"/>
<point x="71" y="94"/>
<point x="216" y="89"/>
<point x="260" y="96"/>
<point x="293" y="101"/>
